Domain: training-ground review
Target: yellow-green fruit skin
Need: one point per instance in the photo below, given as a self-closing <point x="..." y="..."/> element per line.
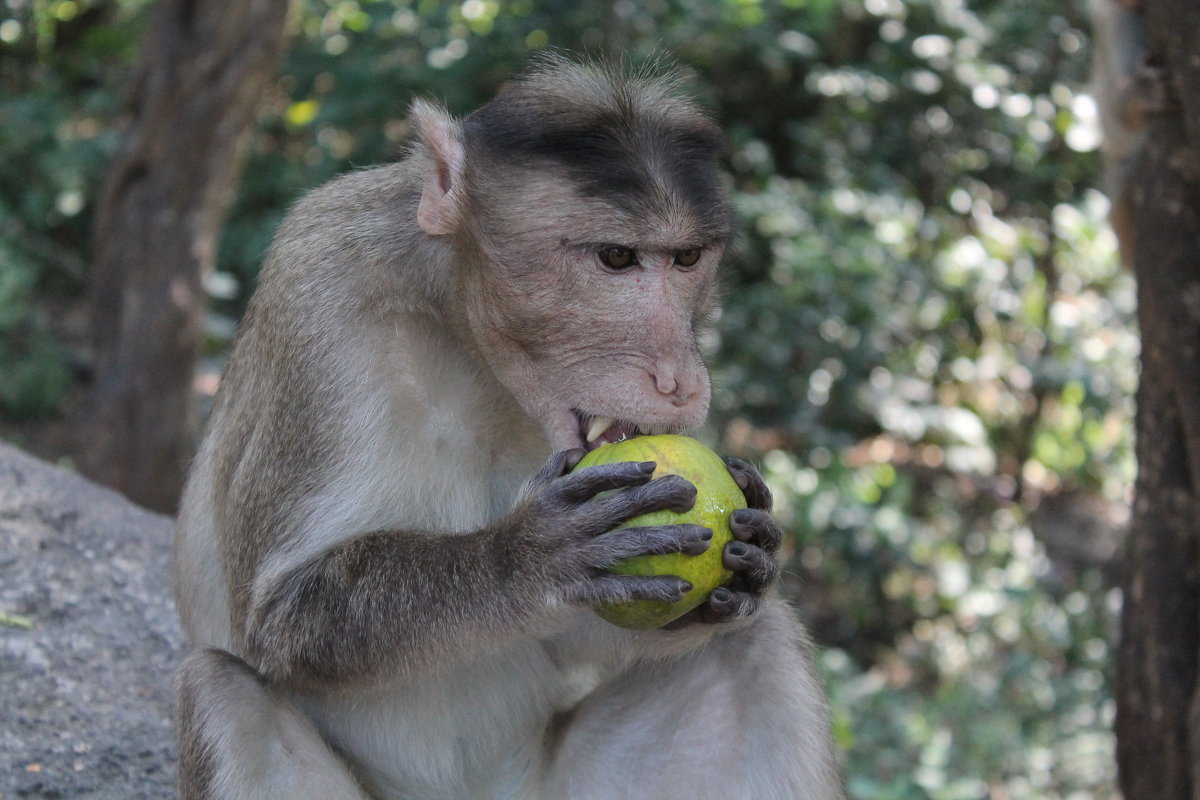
<point x="717" y="496"/>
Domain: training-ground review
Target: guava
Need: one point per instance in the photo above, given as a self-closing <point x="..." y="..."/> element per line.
<point x="717" y="496"/>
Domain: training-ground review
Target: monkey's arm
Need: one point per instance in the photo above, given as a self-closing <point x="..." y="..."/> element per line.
<point x="398" y="601"/>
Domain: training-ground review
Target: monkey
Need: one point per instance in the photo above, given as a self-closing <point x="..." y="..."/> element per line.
<point x="385" y="562"/>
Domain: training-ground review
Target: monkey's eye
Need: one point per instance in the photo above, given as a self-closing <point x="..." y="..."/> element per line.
<point x="687" y="258"/>
<point x="616" y="257"/>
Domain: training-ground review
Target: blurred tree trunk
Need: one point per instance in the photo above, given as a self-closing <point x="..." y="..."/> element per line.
<point x="1158" y="665"/>
<point x="203" y="67"/>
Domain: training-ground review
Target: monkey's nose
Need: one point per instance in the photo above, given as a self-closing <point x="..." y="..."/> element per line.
<point x="670" y="387"/>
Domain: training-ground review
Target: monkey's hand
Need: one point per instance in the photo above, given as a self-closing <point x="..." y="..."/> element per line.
<point x="751" y="554"/>
<point x="570" y="528"/>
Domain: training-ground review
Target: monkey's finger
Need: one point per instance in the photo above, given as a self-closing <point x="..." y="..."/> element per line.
<point x="724" y="604"/>
<point x="756" y="527"/>
<point x="727" y="605"/>
<point x="607" y="549"/>
<point x="623" y="588"/>
<point x="578" y="487"/>
<point x="605" y="513"/>
<point x="751" y="482"/>
<point x="556" y="466"/>
<point x="755" y="568"/>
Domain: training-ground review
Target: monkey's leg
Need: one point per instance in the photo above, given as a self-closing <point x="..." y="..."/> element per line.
<point x="742" y="716"/>
<point x="241" y="740"/>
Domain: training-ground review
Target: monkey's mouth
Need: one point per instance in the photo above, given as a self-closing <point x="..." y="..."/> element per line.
<point x="596" y="430"/>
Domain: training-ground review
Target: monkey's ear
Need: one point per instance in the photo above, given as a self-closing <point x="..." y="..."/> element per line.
<point x="441" y="196"/>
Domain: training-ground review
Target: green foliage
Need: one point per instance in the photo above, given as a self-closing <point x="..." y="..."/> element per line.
<point x="60" y="63"/>
<point x="33" y="375"/>
<point x="926" y="335"/>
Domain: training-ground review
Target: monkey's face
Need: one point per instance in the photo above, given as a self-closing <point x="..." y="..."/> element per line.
<point x="588" y="313"/>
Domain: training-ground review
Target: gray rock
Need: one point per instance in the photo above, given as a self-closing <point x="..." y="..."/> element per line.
<point x="85" y="693"/>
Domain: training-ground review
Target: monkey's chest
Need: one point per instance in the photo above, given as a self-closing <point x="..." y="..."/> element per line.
<point x="471" y="731"/>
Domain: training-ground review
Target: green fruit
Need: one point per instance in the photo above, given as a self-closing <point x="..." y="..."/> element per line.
<point x="717" y="496"/>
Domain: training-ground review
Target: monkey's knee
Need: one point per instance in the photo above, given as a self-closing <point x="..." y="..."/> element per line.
<point x="240" y="739"/>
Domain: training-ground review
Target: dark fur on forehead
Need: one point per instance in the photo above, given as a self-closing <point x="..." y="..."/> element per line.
<point x="633" y="139"/>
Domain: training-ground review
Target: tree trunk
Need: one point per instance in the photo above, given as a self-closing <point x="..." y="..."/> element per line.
<point x="1158" y="665"/>
<point x="203" y="67"/>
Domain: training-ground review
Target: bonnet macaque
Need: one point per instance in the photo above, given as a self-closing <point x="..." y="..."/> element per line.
<point x="385" y="563"/>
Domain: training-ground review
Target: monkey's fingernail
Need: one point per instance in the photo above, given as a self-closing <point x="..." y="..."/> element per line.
<point x="720" y="595"/>
<point x="743" y="516"/>
<point x="697" y="540"/>
<point x="647" y="467"/>
<point x="737" y="549"/>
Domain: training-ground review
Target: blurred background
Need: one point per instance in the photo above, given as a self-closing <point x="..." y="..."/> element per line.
<point x="928" y="342"/>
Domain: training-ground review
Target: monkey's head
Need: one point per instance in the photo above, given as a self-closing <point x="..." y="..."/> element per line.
<point x="587" y="216"/>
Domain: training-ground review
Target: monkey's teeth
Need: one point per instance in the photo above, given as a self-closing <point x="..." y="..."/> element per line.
<point x="597" y="428"/>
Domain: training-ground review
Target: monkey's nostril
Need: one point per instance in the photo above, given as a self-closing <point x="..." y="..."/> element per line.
<point x="666" y="384"/>
<point x="675" y="392"/>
